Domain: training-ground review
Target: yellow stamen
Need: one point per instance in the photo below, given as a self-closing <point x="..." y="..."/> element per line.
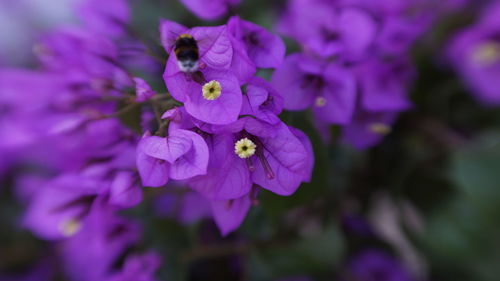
<point x="70" y="227"/>
<point x="486" y="53"/>
<point x="320" y="101"/>
<point x="244" y="148"/>
<point x="380" y="128"/>
<point x="212" y="90"/>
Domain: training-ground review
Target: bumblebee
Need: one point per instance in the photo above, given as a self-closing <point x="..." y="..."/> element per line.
<point x="187" y="53"/>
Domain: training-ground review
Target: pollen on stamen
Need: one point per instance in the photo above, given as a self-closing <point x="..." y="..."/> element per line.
<point x="380" y="128"/>
<point x="486" y="53"/>
<point x="212" y="90"/>
<point x="320" y="101"/>
<point x="244" y="148"/>
<point x="70" y="227"/>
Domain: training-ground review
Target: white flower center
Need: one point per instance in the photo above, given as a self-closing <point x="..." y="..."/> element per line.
<point x="320" y="101"/>
<point x="70" y="227"/>
<point x="244" y="148"/>
<point x="212" y="90"/>
<point x="486" y="53"/>
<point x="380" y="128"/>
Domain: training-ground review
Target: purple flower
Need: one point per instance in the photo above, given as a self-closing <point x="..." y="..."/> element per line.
<point x="368" y="129"/>
<point x="475" y="54"/>
<point x="384" y="84"/>
<point x="375" y="265"/>
<point x="108" y="18"/>
<point x="262" y="101"/>
<point x="253" y="152"/>
<point x="181" y="155"/>
<point x="60" y="207"/>
<point x="94" y="252"/>
<point x="229" y="214"/>
<point x="265" y="49"/>
<point x="327" y="29"/>
<point x="213" y="93"/>
<point x="212" y="10"/>
<point x="329" y="88"/>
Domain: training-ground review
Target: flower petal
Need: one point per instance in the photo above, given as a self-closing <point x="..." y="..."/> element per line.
<point x="192" y="163"/>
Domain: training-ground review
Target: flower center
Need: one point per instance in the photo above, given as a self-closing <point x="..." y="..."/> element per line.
<point x="487" y="53"/>
<point x="70" y="227"/>
<point x="212" y="90"/>
<point x="244" y="148"/>
<point x="380" y="128"/>
<point x="320" y="101"/>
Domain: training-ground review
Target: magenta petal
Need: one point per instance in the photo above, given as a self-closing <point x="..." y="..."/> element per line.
<point x="264" y="48"/>
<point x="288" y="160"/>
<point x="242" y="66"/>
<point x="195" y="161"/>
<point x="340" y="96"/>
<point x="307" y="172"/>
<point x="169" y="31"/>
<point x="358" y="31"/>
<point x="177" y="81"/>
<point x="153" y="172"/>
<point x="41" y="218"/>
<point x="229" y="215"/>
<point x="215" y="46"/>
<point x="288" y="81"/>
<point x="168" y="149"/>
<point x="223" y="110"/>
<point x="227" y="176"/>
<point x="123" y="190"/>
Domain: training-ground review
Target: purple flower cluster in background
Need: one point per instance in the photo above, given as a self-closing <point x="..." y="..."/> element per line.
<point x="354" y="69"/>
<point x="475" y="54"/>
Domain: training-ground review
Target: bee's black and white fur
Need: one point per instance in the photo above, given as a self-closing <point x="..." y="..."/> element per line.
<point x="186" y="51"/>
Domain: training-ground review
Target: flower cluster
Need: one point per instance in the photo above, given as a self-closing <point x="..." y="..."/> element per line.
<point x="216" y="131"/>
<point x="354" y="70"/>
<point x="226" y="141"/>
<point x="62" y="120"/>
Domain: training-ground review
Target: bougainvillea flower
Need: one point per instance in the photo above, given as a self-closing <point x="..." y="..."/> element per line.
<point x="368" y="129"/>
<point x="262" y="101"/>
<point x="252" y="151"/>
<point x="265" y="49"/>
<point x="328" y="88"/>
<point x="77" y="52"/>
<point x="329" y="30"/>
<point x="211" y="94"/>
<point x="181" y="155"/>
<point x="384" y="84"/>
<point x="108" y="18"/>
<point x="475" y="54"/>
<point x="59" y="208"/>
<point x="210" y="11"/>
<point x="99" y="245"/>
<point x="218" y="50"/>
<point x="229" y="215"/>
